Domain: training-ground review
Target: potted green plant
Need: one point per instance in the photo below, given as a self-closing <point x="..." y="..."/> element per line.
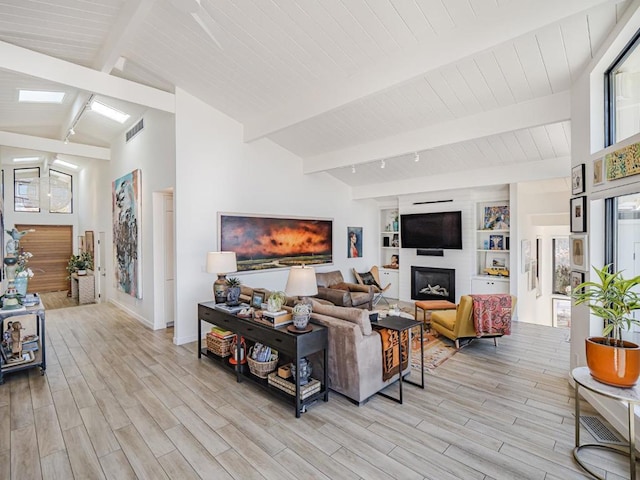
<point x="233" y="291"/>
<point x="276" y="300"/>
<point x="611" y="359"/>
<point x="80" y="263"/>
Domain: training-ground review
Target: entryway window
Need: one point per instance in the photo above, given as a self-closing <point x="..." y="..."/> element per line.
<point x="26" y="189"/>
<point x="622" y="102"/>
<point x="60" y="192"/>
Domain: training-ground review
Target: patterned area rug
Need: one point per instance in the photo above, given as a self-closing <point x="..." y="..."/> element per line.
<point x="437" y="350"/>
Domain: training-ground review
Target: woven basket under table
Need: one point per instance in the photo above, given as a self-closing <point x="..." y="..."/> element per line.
<point x="219" y="346"/>
<point x="262" y="369"/>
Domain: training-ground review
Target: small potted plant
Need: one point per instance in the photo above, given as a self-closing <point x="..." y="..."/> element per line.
<point x="80" y="263"/>
<point x="611" y="359"/>
<point x="276" y="300"/>
<point x="233" y="291"/>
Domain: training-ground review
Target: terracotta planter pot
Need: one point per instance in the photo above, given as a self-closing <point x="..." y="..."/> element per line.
<point x="617" y="366"/>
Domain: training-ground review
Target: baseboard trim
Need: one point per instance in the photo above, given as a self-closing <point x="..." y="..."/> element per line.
<point x="189" y="339"/>
<point x="135" y="315"/>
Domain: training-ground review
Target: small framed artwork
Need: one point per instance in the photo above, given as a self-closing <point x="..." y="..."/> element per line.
<point x="598" y="171"/>
<point x="579" y="214"/>
<point x="533" y="275"/>
<point x="577" y="179"/>
<point x="496" y="242"/>
<point x="526" y="255"/>
<point x="495" y="260"/>
<point x="257" y="299"/>
<point x="576" y="279"/>
<point x="354" y="242"/>
<point x="579" y="256"/>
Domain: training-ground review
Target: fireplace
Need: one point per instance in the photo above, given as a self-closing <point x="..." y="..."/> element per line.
<point x="433" y="284"/>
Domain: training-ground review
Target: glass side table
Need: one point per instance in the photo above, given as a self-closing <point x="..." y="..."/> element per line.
<point x="630" y="396"/>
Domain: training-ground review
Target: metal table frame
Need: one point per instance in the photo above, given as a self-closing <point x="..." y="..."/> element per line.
<point x="630" y="396"/>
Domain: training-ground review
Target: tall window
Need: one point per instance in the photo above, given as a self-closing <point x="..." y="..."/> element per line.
<point x="561" y="266"/>
<point x="622" y="83"/>
<point x="26" y="189"/>
<point x="60" y="192"/>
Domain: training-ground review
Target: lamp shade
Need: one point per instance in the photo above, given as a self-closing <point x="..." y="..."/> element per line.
<point x="221" y="262"/>
<point x="301" y="282"/>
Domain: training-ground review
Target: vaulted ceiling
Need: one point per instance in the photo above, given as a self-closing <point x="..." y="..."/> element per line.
<point x="345" y="84"/>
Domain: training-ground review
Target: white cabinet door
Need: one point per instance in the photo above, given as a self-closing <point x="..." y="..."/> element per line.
<point x="390" y="277"/>
<point x="482" y="286"/>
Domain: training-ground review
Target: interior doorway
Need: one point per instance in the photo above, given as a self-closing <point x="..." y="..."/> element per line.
<point x="163" y="259"/>
<point x="51" y="246"/>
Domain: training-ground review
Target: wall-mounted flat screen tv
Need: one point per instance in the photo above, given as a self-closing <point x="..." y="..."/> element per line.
<point x="441" y="230"/>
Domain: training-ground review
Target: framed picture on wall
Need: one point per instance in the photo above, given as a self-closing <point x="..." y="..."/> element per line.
<point x="577" y="179"/>
<point x="598" y="171"/>
<point x="576" y="279"/>
<point x="354" y="242"/>
<point x="578" y="214"/>
<point x="579" y="253"/>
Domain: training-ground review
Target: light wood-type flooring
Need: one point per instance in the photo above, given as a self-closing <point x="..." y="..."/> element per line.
<point x="120" y="401"/>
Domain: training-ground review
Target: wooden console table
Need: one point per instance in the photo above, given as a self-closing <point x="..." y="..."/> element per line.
<point x="83" y="288"/>
<point x="40" y="359"/>
<point x="293" y="345"/>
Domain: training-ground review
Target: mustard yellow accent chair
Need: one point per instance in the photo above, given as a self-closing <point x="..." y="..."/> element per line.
<point x="458" y="324"/>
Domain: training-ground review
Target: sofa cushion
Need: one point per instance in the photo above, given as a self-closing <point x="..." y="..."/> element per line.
<point x="340" y="286"/>
<point x="446" y="318"/>
<point x="326" y="279"/>
<point x="352" y="315"/>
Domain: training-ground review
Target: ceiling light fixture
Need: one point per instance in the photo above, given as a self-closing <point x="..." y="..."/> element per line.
<point x="109" y="112"/>
<point x="353" y="169"/>
<point x="72" y="131"/>
<point x="62" y="163"/>
<point x="416" y="158"/>
<point x="26" y="159"/>
<point x="76" y="119"/>
<point x="40" y="96"/>
<point x="382" y="164"/>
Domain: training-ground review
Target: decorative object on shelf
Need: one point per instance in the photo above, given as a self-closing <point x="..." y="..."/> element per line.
<point x="276" y="300"/>
<point x="262" y="360"/>
<point x="257" y="299"/>
<point x="578" y="249"/>
<point x="578" y="214"/>
<point x="127" y="231"/>
<point x="395" y="221"/>
<point x="233" y="291"/>
<point x="395" y="262"/>
<point x="577" y="179"/>
<point x="302" y="284"/>
<point x="354" y="242"/>
<point x="496" y="217"/>
<point x="610" y="359"/>
<point x="598" y="171"/>
<point x="623" y="162"/>
<point x="280" y="245"/>
<point x="221" y="263"/>
<point x="288" y="386"/>
<point x="15" y="267"/>
<point x="238" y="357"/>
<point x="305" y="370"/>
<point x="496" y="242"/>
<point x="395" y="242"/>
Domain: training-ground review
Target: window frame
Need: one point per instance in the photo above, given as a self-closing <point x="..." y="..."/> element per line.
<point x="58" y="172"/>
<point x="609" y="93"/>
<point x="15" y="190"/>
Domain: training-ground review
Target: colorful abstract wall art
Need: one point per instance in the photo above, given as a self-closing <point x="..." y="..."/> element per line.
<point x="623" y="162"/>
<point x="126" y="233"/>
<point x="263" y="243"/>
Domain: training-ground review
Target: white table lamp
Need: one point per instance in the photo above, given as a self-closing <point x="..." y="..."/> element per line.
<point x="221" y="263"/>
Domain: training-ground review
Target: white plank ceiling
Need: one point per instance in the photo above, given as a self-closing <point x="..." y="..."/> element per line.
<point x="326" y="79"/>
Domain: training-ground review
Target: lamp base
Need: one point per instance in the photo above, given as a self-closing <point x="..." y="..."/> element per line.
<point x="220" y="289"/>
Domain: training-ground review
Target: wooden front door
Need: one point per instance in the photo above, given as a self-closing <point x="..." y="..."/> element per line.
<point x="51" y="246"/>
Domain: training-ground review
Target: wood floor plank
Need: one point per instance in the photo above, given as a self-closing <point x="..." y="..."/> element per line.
<point x="49" y="432"/>
<point x="39" y="386"/>
<point x="156" y="409"/>
<point x="101" y="435"/>
<point x="112" y="410"/>
<point x="140" y="458"/>
<point x="81" y="392"/>
<point x="176" y="466"/>
<point x="116" y="466"/>
<point x="238" y="467"/>
<point x="5" y="464"/>
<point x="83" y="459"/>
<point x="66" y="408"/>
<point x="152" y="434"/>
<point x="298" y="466"/>
<point x="20" y="402"/>
<point x="24" y="454"/>
<point x="196" y="454"/>
<point x="5" y="428"/>
<point x="202" y="432"/>
<point x="56" y="466"/>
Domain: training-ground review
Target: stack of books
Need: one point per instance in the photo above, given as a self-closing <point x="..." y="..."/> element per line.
<point x="219" y="341"/>
<point x="30" y="343"/>
<point x="276" y="319"/>
<point x="230" y="309"/>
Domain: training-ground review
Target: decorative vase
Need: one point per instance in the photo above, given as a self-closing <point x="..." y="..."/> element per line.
<point x="233" y="296"/>
<point x="617" y="366"/>
<point x="300" y="321"/>
<point x="81" y="272"/>
<point x="21" y="284"/>
<point x="305" y="370"/>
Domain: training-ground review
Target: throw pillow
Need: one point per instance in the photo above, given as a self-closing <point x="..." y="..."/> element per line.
<point x="367" y="279"/>
<point x="353" y="315"/>
<point x="340" y="286"/>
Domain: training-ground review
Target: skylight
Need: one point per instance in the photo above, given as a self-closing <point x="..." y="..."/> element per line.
<point x="40" y="96"/>
<point x="25" y="159"/>
<point x="62" y="163"/>
<point x="109" y="112"/>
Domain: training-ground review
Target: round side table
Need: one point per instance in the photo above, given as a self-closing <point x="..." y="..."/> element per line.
<point x="630" y="396"/>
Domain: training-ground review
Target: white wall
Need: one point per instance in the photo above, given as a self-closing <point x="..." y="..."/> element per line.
<point x="152" y="151"/>
<point x="217" y="172"/>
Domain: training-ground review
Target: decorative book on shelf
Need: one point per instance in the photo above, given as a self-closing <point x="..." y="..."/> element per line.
<point x="289" y="386"/>
<point x="221" y="332"/>
<point x="230" y="309"/>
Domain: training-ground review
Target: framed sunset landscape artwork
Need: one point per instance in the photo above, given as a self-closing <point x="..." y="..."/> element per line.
<point x="266" y="242"/>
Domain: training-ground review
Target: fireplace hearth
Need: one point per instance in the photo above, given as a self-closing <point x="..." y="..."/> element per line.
<point x="433" y="283"/>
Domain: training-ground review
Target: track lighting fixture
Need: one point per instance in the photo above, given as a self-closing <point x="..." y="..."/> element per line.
<point x="416" y="157"/>
<point x="382" y="164"/>
<point x="353" y="169"/>
<point x="72" y="131"/>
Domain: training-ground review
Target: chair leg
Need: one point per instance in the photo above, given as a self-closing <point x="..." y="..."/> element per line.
<point x="457" y="344"/>
<point x="495" y="341"/>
